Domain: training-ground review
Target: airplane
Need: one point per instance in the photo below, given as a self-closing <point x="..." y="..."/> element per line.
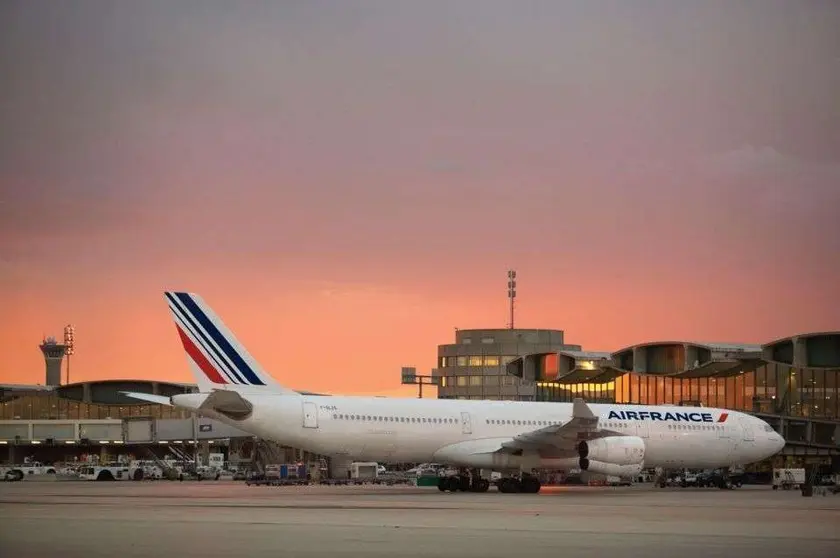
<point x="474" y="437"/>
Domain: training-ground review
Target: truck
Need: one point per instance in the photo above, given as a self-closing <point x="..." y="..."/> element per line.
<point x="364" y="471"/>
<point x="787" y="479"/>
<point x="20" y="472"/>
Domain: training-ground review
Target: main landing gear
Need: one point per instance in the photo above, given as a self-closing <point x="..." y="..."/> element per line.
<point x="472" y="482"/>
<point x="464" y="482"/>
<point x="528" y="484"/>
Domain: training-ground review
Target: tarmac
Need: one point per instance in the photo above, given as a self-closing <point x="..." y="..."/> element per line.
<point x="228" y="519"/>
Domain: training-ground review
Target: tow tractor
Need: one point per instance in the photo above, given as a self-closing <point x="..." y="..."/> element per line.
<point x="105" y="472"/>
<point x="19" y="472"/>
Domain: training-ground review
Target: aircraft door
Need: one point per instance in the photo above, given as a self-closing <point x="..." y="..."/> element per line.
<point x="643" y="429"/>
<point x="466" y="424"/>
<point x="310" y="414"/>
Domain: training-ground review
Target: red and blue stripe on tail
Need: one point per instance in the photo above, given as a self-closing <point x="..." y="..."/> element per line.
<point x="216" y="357"/>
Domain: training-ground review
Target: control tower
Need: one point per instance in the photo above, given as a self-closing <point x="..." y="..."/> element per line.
<point x="53" y="354"/>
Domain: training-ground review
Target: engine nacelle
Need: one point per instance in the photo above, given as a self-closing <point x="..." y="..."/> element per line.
<point x="610" y="469"/>
<point x="618" y="450"/>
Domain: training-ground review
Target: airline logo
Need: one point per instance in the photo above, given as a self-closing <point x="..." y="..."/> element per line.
<point x="211" y="351"/>
<point x="659" y="416"/>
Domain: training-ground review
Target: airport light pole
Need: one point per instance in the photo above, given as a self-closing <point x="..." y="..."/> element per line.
<point x="511" y="292"/>
<point x="195" y="440"/>
<point x="409" y="376"/>
<point x="70" y="345"/>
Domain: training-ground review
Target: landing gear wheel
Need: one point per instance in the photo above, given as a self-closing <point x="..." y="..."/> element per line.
<point x="449" y="484"/>
<point x="530" y="485"/>
<point x="480" y="485"/>
<point x="509" y="486"/>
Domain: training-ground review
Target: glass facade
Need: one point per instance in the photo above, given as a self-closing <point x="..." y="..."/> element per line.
<point x="772" y="388"/>
<point x="44" y="406"/>
<point x="476" y="377"/>
<point x="474" y="361"/>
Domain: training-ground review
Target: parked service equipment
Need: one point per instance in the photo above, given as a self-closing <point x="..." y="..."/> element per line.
<point x="788" y="479"/>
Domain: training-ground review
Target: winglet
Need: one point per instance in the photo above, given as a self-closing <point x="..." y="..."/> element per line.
<point x="580" y="410"/>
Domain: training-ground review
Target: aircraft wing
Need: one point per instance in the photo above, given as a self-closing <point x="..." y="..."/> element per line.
<point x="582" y="426"/>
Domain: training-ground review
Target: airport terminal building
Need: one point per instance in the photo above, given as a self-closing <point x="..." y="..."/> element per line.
<point x="93" y="422"/>
<point x="792" y="383"/>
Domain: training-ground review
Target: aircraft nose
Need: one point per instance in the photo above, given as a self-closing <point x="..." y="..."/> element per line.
<point x="778" y="442"/>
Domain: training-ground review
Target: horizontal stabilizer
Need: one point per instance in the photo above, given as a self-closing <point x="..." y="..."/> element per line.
<point x="149" y="397"/>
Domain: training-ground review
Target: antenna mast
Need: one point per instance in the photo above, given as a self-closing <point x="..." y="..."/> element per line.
<point x="511" y="292"/>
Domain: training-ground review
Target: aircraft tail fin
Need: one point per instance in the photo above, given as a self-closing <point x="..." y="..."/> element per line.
<point x="217" y="359"/>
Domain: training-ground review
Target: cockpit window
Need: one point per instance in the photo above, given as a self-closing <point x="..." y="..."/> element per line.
<point x="768" y="428"/>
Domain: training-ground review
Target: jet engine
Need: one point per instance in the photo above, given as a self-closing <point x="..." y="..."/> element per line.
<point x="610" y="469"/>
<point x="617" y="456"/>
<point x="620" y="450"/>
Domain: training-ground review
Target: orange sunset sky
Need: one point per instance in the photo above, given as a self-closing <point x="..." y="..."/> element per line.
<point x="345" y="185"/>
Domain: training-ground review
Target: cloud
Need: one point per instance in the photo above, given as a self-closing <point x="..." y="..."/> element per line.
<point x="445" y="166"/>
<point x="764" y="160"/>
<point x="768" y="163"/>
<point x="359" y="291"/>
<point x="790" y="201"/>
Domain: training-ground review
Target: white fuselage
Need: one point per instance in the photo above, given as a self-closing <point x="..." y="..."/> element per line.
<point x="462" y="432"/>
